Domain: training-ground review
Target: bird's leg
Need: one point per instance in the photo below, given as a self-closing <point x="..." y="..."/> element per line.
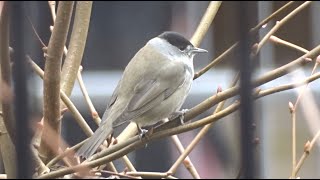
<point x="142" y="132"/>
<point x="179" y="114"/>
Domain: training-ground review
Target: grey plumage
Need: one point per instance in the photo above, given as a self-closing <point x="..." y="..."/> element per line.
<point x="154" y="84"/>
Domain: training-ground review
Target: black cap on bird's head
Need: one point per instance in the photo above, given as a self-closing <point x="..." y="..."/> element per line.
<point x="180" y="42"/>
<point x="175" y="39"/>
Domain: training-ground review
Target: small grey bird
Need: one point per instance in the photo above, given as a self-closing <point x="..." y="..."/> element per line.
<point x="154" y="86"/>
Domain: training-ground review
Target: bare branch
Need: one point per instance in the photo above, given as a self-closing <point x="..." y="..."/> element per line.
<point x="52" y="77"/>
<point x="8" y="117"/>
<point x="76" y="47"/>
<point x="205" y="23"/>
<point x="253" y="31"/>
<point x="281" y="23"/>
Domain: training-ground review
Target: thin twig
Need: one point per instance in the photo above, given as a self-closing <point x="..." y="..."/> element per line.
<point x="151" y="175"/>
<point x="294" y="107"/>
<point x="40" y="167"/>
<point x="187" y="163"/>
<point x="289" y="86"/>
<point x="131" y="144"/>
<point x="74" y="111"/>
<point x="118" y="174"/>
<point x="35" y="32"/>
<point x="67" y="152"/>
<point x="272" y="16"/>
<point x="296" y="168"/>
<point x="7" y="151"/>
<point x="293" y="117"/>
<point x="128" y="163"/>
<point x="307" y="148"/>
<point x="205" y="23"/>
<point x="52" y="6"/>
<point x="277" y="40"/>
<point x="119" y="153"/>
<point x="291" y="106"/>
<point x="230" y="92"/>
<point x="305" y="87"/>
<point x="296" y="47"/>
<point x="84" y="91"/>
<point x="235" y="45"/>
<point x="281" y="23"/>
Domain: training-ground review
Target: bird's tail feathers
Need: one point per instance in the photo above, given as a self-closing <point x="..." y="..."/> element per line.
<point x="93" y="143"/>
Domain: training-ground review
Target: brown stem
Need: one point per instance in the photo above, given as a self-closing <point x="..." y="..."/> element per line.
<point x="131" y="144"/>
<point x="7" y="150"/>
<point x="51" y="91"/>
<point x="76" y="47"/>
<point x="253" y="31"/>
<point x="8" y="118"/>
<point x="271" y="75"/>
<point x="205" y="23"/>
<point x="280" y="23"/>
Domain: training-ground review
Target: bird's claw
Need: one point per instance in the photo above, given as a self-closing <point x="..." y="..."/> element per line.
<point x="142" y="133"/>
<point x="180" y="115"/>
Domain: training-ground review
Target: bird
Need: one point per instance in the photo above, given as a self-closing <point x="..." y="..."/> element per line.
<point x="153" y="86"/>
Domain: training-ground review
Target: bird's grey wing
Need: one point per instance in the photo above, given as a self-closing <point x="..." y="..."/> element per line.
<point x="103" y="131"/>
<point x="111" y="102"/>
<point x="150" y="92"/>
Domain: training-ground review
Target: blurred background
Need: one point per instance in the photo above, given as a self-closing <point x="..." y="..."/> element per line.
<point x="119" y="29"/>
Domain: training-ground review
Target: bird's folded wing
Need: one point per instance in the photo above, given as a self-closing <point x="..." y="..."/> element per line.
<point x="111" y="102"/>
<point x="150" y="92"/>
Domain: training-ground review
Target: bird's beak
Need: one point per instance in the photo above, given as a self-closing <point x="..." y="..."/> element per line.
<point x="199" y="50"/>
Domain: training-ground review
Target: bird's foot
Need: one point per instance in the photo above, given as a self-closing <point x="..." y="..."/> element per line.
<point x="179" y="114"/>
<point x="142" y="133"/>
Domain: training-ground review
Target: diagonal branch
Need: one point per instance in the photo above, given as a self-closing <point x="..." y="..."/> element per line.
<point x="280" y="23"/>
<point x="253" y="31"/>
<point x="133" y="143"/>
<point x="205" y="23"/>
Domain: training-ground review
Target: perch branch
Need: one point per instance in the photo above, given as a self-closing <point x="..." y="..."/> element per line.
<point x="133" y="143"/>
